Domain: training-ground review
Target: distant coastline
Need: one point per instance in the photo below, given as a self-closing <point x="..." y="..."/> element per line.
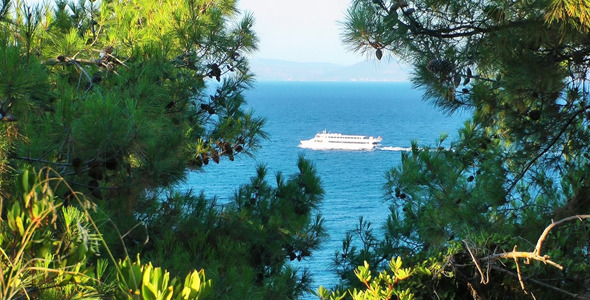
<point x="279" y="70"/>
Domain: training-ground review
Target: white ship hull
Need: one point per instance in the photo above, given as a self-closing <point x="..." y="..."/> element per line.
<point x="337" y="141"/>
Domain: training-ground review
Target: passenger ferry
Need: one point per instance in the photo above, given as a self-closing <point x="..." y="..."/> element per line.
<point x="336" y="141"/>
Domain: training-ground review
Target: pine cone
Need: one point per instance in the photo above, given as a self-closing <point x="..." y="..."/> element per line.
<point x="379" y="53"/>
<point x="440" y="67"/>
<point x="96" y="77"/>
<point x="8" y="117"/>
<point x="108" y="49"/>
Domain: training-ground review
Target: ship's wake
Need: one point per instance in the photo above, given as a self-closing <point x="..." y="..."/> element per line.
<point x="407" y="149"/>
<point x="399" y="149"/>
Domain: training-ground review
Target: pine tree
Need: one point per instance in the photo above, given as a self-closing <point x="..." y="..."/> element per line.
<point x="122" y="99"/>
<point x="128" y="96"/>
<point x="519" y="164"/>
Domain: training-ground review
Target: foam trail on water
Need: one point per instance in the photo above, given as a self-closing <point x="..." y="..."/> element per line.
<point x="388" y="148"/>
<point x="406" y="149"/>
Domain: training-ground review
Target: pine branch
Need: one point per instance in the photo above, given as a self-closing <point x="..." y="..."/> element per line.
<point x="551" y="144"/>
<point x="66" y="60"/>
<point x="575" y="296"/>
<point x="462" y="30"/>
<point x="536" y="254"/>
<point x="553" y="225"/>
<point x="31" y="159"/>
<point x="111" y="188"/>
<point x="515" y="255"/>
<point x="522" y="254"/>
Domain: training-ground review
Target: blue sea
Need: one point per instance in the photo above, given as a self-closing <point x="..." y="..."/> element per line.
<point x="353" y="180"/>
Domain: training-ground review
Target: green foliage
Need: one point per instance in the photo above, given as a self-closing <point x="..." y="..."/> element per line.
<point x="50" y="250"/>
<point x="146" y="282"/>
<point x="574" y="13"/>
<point x="244" y="245"/>
<point x="519" y="68"/>
<point x="46" y="246"/>
<point x="381" y="287"/>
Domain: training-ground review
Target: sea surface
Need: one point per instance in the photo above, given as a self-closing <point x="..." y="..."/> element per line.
<point x="353" y="180"/>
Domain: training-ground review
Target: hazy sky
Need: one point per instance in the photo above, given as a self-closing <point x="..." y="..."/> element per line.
<point x="301" y="30"/>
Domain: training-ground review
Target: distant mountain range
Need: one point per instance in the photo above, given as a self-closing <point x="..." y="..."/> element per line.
<point x="278" y="70"/>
